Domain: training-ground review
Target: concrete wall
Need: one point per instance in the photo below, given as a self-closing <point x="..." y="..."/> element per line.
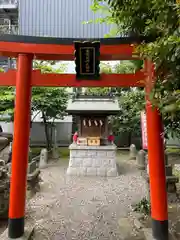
<point x="64" y="130"/>
<point x="7" y="127"/>
<point x="37" y="137"/>
<point x="124" y="140"/>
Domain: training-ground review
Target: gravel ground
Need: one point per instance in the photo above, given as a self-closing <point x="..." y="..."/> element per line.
<point x="74" y="208"/>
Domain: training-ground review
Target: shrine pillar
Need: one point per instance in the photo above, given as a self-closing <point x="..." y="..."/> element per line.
<point x="20" y="146"/>
<point x="158" y="193"/>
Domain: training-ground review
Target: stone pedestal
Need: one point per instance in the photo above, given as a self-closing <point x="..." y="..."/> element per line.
<point x="43" y="158"/>
<point x="141" y="160"/>
<point x="133" y="152"/>
<point x="171" y="180"/>
<point x="92" y="160"/>
<point x="33" y="177"/>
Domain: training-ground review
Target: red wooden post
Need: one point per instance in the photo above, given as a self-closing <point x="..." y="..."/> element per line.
<point x="20" y="147"/>
<point x="158" y="192"/>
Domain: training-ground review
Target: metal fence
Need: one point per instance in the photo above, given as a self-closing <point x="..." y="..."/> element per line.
<point x="8" y="2"/>
<point x="8" y="29"/>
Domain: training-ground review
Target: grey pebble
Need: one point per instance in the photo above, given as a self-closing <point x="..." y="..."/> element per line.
<point x="83" y="208"/>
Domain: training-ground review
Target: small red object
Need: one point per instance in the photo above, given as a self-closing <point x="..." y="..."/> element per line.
<point x="111" y="138"/>
<point x="75" y="137"/>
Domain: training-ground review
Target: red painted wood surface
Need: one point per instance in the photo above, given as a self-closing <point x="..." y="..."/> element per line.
<point x="21" y="138"/>
<point x="156" y="159"/>
<point x="64" y="52"/>
<point x="69" y="80"/>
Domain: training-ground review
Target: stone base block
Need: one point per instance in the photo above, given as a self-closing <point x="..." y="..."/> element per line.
<point x="112" y="172"/>
<point x="101" y="171"/>
<point x="92" y="161"/>
<point x="72" y="171"/>
<point x="76" y="171"/>
<point x="168" y="169"/>
<point x="91" y="171"/>
<point x="171" y="187"/>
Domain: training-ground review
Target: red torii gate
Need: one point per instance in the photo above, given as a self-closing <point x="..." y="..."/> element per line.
<point x="25" y="49"/>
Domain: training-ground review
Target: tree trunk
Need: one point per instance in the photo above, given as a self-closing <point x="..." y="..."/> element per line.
<point x="51" y="134"/>
<point x="129" y="138"/>
<point x="46" y="128"/>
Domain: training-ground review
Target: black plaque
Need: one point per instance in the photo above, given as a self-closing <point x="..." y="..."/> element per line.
<point x="87" y="60"/>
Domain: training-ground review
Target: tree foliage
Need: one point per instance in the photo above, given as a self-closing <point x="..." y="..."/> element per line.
<point x="131" y="104"/>
<point x="49" y="102"/>
<point x="159" y="21"/>
<point x="7" y="102"/>
<point x="119" y="67"/>
<point x="131" y="101"/>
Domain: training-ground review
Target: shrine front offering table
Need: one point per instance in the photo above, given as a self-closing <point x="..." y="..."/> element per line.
<point x="92" y="160"/>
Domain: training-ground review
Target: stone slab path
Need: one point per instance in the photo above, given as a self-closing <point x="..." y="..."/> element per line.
<point x="74" y="208"/>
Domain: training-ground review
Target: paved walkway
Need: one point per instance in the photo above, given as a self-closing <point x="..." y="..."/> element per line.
<point x="83" y="208"/>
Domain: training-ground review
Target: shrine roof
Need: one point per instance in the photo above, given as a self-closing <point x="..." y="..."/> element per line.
<point x="93" y="105"/>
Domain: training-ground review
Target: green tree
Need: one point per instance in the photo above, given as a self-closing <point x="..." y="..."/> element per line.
<point x="106" y="17"/>
<point x="121" y="67"/>
<point x="49" y="102"/>
<point x="104" y="68"/>
<point x="7" y="103"/>
<point x="159" y="22"/>
<point x="131" y="104"/>
<point x="128" y="66"/>
<point x="7" y="95"/>
<point x="98" y="91"/>
<point x="131" y="101"/>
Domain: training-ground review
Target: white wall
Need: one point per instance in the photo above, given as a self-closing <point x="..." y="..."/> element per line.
<point x="37" y="136"/>
<point x="7" y="127"/>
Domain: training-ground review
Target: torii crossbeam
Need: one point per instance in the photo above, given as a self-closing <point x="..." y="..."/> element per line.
<point x="25" y="49"/>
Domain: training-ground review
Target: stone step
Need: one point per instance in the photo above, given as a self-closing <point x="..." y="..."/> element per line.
<point x="169" y="179"/>
<point x="168" y="170"/>
<point x="172" y="179"/>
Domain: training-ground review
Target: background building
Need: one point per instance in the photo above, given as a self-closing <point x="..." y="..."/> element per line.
<point x="9" y="13"/>
<point x="53" y="18"/>
<point x="59" y="18"/>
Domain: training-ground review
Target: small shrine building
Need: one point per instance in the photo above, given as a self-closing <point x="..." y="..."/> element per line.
<point x="92" y="152"/>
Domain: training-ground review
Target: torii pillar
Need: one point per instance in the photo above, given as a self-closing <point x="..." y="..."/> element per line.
<point x="156" y="159"/>
<point x="20" y="146"/>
